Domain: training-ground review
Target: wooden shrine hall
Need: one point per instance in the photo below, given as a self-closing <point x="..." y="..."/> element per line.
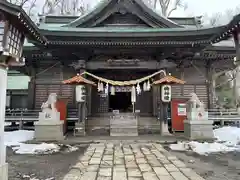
<point x="125" y="41"/>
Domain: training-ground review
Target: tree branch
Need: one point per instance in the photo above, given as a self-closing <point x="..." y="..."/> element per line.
<point x="176" y="4"/>
<point x="23" y="2"/>
<point x="33" y="4"/>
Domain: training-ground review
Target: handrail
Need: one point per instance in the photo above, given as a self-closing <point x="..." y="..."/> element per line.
<point x="30" y="115"/>
<point x="223" y="112"/>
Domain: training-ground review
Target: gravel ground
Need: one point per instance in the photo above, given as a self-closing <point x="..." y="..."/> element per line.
<point x="41" y="167"/>
<point x="213" y="167"/>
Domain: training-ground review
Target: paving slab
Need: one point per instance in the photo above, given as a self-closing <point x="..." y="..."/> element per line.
<point x="150" y="175"/>
<point x="129" y="161"/>
<point x="134" y="172"/>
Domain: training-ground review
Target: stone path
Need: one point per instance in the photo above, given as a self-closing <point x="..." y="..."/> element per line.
<point x="134" y="161"/>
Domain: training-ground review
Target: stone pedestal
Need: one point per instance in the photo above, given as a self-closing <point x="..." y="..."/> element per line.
<point x="49" y="130"/>
<point x="4" y="171"/>
<point x="164" y="129"/>
<point x="79" y="129"/>
<point x="198" y="129"/>
<point x="197" y="126"/>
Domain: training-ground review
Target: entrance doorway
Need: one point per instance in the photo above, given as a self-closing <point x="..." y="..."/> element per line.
<point x="120" y="101"/>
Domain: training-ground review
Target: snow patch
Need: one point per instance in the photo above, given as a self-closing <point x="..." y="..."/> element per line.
<point x="228" y="140"/>
<point x="229" y="136"/>
<point x="16" y="139"/>
<point x="43" y="148"/>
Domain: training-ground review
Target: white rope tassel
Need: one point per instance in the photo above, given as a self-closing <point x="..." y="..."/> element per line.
<point x="106" y="89"/>
<point x="144" y="86"/>
<point x="148" y="86"/>
<point x="112" y="90"/>
<point x="138" y="89"/>
<point x="99" y="87"/>
<point x="133" y="94"/>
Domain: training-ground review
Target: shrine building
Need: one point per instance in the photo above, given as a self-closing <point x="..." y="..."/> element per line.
<point x="121" y="41"/>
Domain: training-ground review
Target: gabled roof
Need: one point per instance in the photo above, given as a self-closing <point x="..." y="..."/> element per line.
<point x="61" y="20"/>
<point x="136" y="7"/>
<point x="18" y="16"/>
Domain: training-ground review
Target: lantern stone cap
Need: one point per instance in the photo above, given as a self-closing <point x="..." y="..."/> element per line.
<point x="169" y="79"/>
<point x="78" y="80"/>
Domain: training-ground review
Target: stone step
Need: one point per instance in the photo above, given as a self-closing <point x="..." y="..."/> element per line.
<point x="123" y="125"/>
<point x="124" y="132"/>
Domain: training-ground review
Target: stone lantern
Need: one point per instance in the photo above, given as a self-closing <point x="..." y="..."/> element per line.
<point x="11" y="44"/>
<point x="15" y="25"/>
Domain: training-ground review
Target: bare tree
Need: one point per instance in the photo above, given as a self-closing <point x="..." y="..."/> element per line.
<point x="222" y="18"/>
<point x="167" y="6"/>
<point x="27" y="5"/>
<point x="65" y="7"/>
<point x="49" y="6"/>
<point x="215" y="19"/>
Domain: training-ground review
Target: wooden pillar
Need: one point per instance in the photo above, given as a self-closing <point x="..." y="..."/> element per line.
<point x="237" y="63"/>
<point x="32" y="88"/>
<point x="210" y="87"/>
<point x="182" y="77"/>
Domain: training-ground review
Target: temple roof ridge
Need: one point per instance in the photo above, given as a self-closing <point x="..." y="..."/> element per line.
<point x="98" y="11"/>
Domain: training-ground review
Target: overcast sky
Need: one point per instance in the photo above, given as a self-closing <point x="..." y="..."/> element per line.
<point x="201" y="7"/>
<point x="195" y="7"/>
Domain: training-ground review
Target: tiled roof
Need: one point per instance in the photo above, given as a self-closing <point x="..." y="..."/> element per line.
<point x="169" y="79"/>
<point x="78" y="80"/>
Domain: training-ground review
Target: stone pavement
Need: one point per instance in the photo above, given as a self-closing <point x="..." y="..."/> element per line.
<point x="129" y="161"/>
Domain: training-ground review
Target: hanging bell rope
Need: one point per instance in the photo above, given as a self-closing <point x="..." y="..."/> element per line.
<point x="124" y="83"/>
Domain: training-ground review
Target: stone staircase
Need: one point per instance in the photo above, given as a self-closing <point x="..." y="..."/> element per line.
<point x="123" y="124"/>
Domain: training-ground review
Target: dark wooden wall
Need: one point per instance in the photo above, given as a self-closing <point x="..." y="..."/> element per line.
<point x="100" y="103"/>
<point x="49" y="80"/>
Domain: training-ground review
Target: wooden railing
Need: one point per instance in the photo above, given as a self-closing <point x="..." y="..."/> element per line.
<point x="22" y="116"/>
<point x="224" y="116"/>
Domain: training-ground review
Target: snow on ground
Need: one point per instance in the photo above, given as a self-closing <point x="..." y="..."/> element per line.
<point x="228" y="139"/>
<point x="16" y="139"/>
<point x="43" y="148"/>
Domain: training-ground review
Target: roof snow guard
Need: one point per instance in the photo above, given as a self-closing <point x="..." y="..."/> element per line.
<point x="18" y="16"/>
<point x="228" y="30"/>
<point x="108" y="7"/>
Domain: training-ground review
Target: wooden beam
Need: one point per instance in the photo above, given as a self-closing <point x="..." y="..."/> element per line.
<point x="95" y="65"/>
